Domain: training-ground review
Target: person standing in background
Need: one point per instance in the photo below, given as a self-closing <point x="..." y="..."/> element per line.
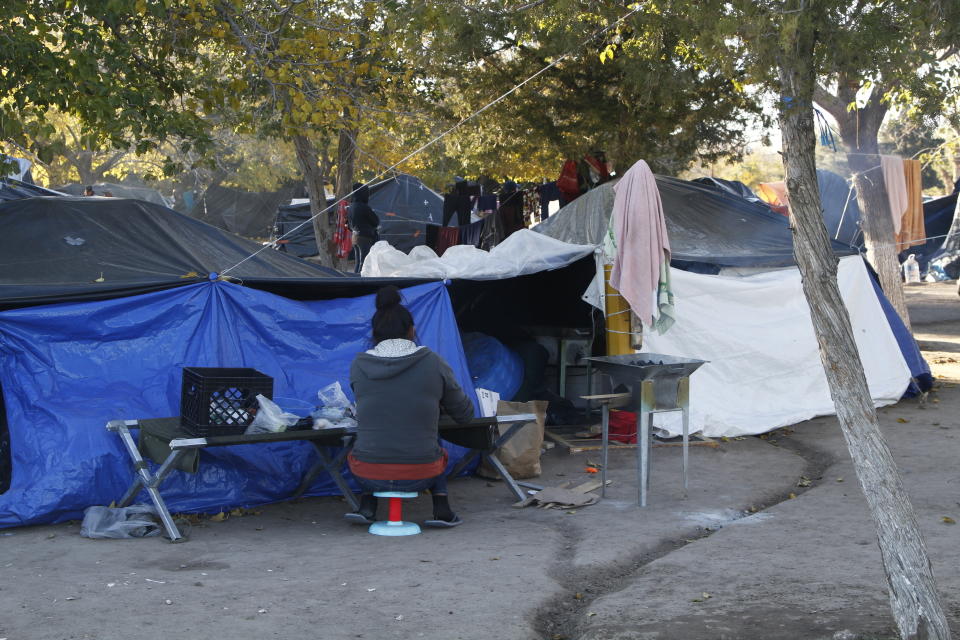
<point x="364" y="223"/>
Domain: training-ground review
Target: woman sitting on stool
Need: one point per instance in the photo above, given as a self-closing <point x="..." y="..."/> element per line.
<point x="399" y="388"/>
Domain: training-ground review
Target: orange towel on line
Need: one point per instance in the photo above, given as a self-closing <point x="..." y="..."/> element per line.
<point x="912" y="229"/>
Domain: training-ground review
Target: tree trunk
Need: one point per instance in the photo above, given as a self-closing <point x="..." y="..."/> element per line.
<point x="913" y="594"/>
<point x="346" y="159"/>
<point x="84" y="166"/>
<point x="875" y="219"/>
<point x="307" y="159"/>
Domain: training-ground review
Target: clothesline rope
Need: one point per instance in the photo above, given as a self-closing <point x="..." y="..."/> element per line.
<point x="453" y="128"/>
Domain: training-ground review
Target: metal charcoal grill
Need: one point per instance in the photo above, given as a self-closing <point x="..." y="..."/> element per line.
<point x="657" y="383"/>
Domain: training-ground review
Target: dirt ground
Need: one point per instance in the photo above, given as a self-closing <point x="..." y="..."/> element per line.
<point x="738" y="558"/>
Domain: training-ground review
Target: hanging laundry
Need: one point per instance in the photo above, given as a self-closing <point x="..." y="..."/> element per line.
<point x="912" y="229"/>
<point x="472" y="233"/>
<point x="446" y="238"/>
<point x="431" y="233"/>
<point x="569" y="181"/>
<point x="487" y="203"/>
<point x="895" y="179"/>
<point x="511" y="208"/>
<point x="342" y="235"/>
<point x="548" y="193"/>
<point x="492" y="232"/>
<point x="642" y="242"/>
<point x="531" y="207"/>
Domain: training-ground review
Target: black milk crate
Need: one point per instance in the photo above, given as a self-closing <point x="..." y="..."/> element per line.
<point x="215" y="401"/>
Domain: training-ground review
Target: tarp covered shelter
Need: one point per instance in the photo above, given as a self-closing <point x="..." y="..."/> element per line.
<point x="735" y="187"/>
<point x="841" y="213"/>
<point x="708" y="227"/>
<point x="755" y="329"/>
<point x="404" y="204"/>
<point x="66" y="369"/>
<point x="13" y="189"/>
<point x="76" y="352"/>
<point x="59" y="249"/>
<point x="246" y="213"/>
<point x="937" y="219"/>
<point x="118" y="190"/>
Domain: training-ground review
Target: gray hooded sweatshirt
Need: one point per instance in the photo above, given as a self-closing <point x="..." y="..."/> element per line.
<point x="398" y="406"/>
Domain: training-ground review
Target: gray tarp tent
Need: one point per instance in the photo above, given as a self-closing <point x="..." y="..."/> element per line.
<point x="706" y="225"/>
<point x="405" y="206"/>
<point x="246" y="213"/>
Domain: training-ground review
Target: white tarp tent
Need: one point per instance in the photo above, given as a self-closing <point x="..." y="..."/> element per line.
<point x="764" y="371"/>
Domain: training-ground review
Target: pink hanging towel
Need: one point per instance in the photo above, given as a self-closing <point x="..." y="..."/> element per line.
<point x="641" y="237"/>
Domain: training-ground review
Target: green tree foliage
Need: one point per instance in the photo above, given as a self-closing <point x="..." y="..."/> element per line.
<point x="118" y="67"/>
<point x="634" y="89"/>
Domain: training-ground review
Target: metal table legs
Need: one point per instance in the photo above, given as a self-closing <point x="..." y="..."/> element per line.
<point x="332" y="465"/>
<point x="491" y="457"/>
<point x="145" y="479"/>
<point x="644" y="420"/>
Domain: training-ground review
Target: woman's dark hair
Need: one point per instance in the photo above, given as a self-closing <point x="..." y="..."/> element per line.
<point x="392" y="319"/>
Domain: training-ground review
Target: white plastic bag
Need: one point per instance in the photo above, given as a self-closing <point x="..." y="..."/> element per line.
<point x="336" y="410"/>
<point x="135" y="521"/>
<point x="332" y="396"/>
<point x="271" y="418"/>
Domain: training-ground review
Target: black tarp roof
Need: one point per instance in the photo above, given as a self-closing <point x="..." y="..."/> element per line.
<point x="405" y="206"/>
<point x="735" y="187"/>
<point x="58" y="249"/>
<point x="705" y="225"/>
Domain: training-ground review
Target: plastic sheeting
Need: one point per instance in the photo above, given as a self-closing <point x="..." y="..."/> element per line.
<point x="765" y="370"/>
<point x="63" y="248"/>
<point x="246" y="213"/>
<point x="705" y="225"/>
<point x="12" y="189"/>
<point x="128" y="191"/>
<point x="524" y="252"/>
<point x="404" y="204"/>
<point x="65" y="370"/>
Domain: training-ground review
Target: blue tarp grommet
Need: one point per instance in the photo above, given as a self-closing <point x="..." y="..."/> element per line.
<point x="213" y="275"/>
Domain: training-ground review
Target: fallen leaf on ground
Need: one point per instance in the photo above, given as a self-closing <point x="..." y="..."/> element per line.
<point x="804" y="481"/>
<point x="220" y="517"/>
<point x="792" y="496"/>
<point x="591" y="614"/>
<point x="578" y="596"/>
<point x="948" y="520"/>
<point x="839" y="479"/>
<point x="591" y="470"/>
<point x="902" y="420"/>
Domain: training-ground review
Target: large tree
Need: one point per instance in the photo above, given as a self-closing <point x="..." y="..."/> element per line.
<point x="661" y="102"/>
<point x="316" y="74"/>
<point x="786" y="46"/>
<point x="122" y="69"/>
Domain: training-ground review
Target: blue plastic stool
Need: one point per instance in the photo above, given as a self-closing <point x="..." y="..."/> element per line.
<point x="394" y="525"/>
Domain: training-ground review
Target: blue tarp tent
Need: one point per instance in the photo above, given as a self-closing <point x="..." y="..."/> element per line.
<point x="937" y="218"/>
<point x="66" y="369"/>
